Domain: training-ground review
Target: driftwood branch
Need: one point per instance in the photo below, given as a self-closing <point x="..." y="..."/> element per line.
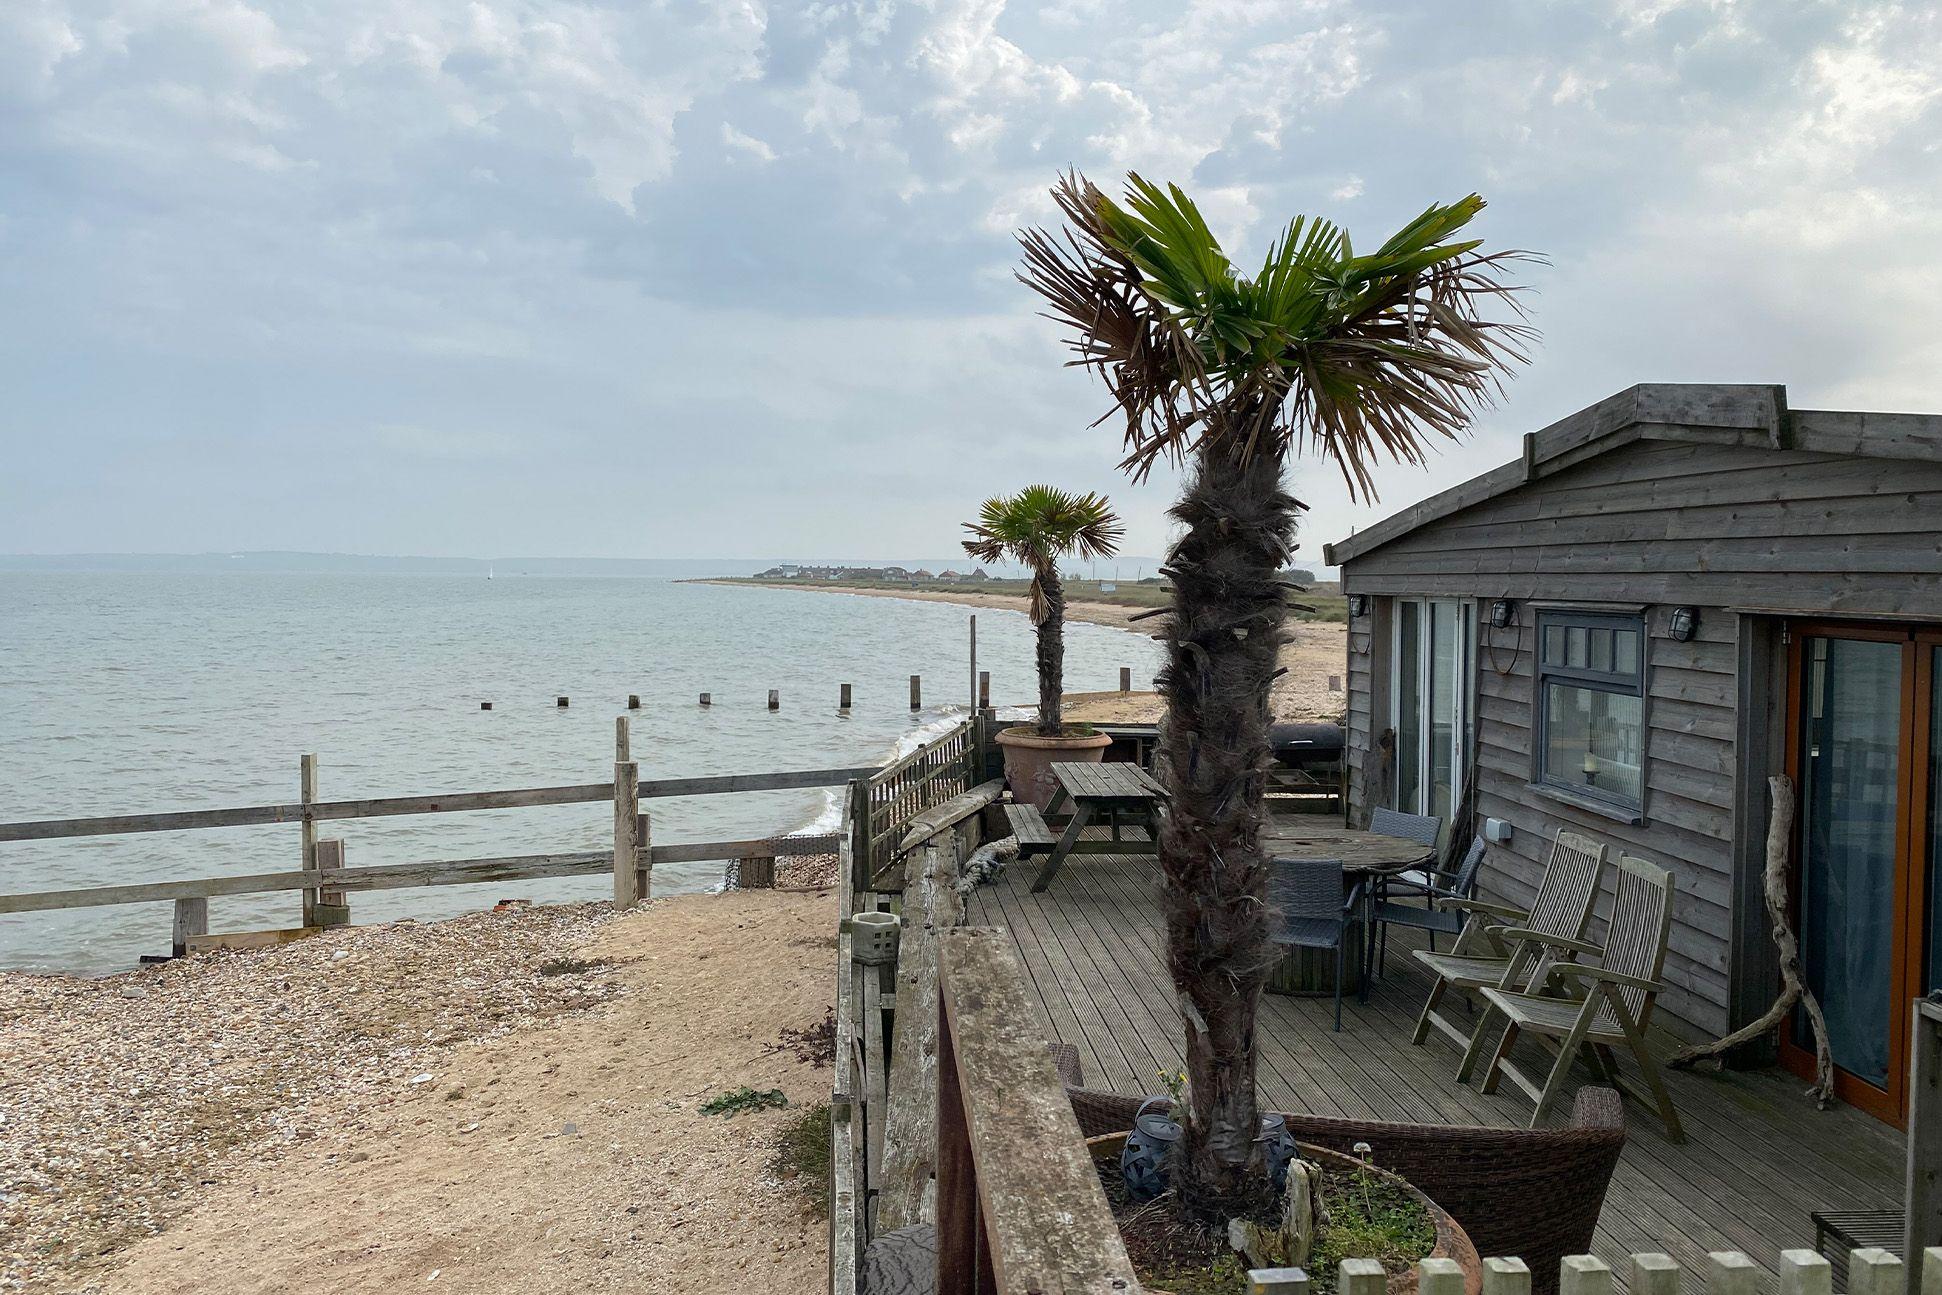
<point x="1793" y="981"/>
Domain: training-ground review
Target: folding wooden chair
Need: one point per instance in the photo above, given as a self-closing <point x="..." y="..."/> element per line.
<point x="1605" y="1006"/>
<point x="1483" y="958"/>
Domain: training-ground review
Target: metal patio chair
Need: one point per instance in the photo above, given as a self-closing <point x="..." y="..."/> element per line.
<point x="1435" y="917"/>
<point x="1425" y="830"/>
<point x="1307" y="910"/>
<point x="1483" y="958"/>
<point x="1602" y="1007"/>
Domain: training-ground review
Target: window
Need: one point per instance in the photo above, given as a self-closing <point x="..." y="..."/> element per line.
<point x="1591" y="705"/>
<point x="1431" y="694"/>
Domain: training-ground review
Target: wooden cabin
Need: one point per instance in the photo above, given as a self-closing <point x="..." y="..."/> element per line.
<point x="1670" y="596"/>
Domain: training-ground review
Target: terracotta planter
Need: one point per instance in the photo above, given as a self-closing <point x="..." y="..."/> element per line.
<point x="1452" y="1242"/>
<point x="1029" y="758"/>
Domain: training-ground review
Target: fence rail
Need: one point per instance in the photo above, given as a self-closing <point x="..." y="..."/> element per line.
<point x="326" y="882"/>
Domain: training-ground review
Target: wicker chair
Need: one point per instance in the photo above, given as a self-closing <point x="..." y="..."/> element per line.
<point x="1533" y="1193"/>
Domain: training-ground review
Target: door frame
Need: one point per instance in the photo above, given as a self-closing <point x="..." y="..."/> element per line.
<point x="1910" y="890"/>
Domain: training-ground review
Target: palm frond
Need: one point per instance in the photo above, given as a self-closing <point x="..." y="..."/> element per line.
<point x="1358" y="358"/>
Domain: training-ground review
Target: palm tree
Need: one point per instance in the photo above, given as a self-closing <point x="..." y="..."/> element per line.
<point x="1358" y="357"/>
<point x="1035" y="528"/>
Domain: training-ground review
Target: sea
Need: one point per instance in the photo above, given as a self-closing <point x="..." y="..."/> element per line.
<point x="139" y="692"/>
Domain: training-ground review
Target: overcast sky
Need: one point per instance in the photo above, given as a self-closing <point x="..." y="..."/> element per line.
<point x="486" y="276"/>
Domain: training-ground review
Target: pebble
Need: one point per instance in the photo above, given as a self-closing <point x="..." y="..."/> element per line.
<point x="124" y="1094"/>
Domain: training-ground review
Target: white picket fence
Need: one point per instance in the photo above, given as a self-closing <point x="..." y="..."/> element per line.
<point x="1727" y="1272"/>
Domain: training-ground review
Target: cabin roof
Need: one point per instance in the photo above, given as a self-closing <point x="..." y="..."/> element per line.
<point x="1752" y="416"/>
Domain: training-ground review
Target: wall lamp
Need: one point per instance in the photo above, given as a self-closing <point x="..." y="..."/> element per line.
<point x="1501" y="613"/>
<point x="1683" y="624"/>
<point x="1358" y="604"/>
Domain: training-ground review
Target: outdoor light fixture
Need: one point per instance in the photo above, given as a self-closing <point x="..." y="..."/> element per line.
<point x="1500" y="613"/>
<point x="1143" y="1160"/>
<point x="1358" y="604"/>
<point x="1684" y="624"/>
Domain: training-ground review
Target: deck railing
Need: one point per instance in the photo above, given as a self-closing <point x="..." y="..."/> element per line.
<point x="947" y="766"/>
<point x="326" y="880"/>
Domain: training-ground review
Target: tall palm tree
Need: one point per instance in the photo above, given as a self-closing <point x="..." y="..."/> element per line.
<point x="1357" y="357"/>
<point x="1035" y="528"/>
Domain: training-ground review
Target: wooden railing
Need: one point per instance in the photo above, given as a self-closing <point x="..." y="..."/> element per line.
<point x="326" y="881"/>
<point x="894" y="795"/>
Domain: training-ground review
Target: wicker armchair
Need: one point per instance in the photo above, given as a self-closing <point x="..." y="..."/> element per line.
<point x="1532" y="1193"/>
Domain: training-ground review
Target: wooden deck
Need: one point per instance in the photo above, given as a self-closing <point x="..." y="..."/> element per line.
<point x="1758" y="1158"/>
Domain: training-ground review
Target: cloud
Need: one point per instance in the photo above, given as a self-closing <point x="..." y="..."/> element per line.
<point x="720" y="249"/>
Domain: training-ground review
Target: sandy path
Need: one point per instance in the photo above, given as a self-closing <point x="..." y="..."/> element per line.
<point x="1315" y="651"/>
<point x="568" y="1156"/>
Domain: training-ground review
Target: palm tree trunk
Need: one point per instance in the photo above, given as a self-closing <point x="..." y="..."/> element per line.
<point x="1051" y="653"/>
<point x="1213" y="756"/>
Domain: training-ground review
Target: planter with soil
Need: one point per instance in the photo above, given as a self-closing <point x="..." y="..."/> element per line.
<point x="1030" y="755"/>
<point x="1368" y="1213"/>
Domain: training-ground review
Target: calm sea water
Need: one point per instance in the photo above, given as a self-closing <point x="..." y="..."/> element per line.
<point x="123" y="693"/>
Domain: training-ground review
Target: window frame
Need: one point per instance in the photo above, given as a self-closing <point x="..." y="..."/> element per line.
<point x="1615" y="682"/>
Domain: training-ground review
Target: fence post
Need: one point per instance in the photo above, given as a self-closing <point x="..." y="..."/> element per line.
<point x="974" y="662"/>
<point x="1924" y="1185"/>
<point x="627" y="808"/>
<point x="333" y="906"/>
<point x="622" y="745"/>
<point x="1805" y="1272"/>
<point x="644" y="856"/>
<point x="1506" y="1277"/>
<point x="860" y="869"/>
<point x="984" y="690"/>
<point x="191" y="919"/>
<point x="307" y="794"/>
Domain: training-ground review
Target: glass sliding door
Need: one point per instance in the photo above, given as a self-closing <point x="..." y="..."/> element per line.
<point x="1431" y="692"/>
<point x="1867" y="759"/>
<point x="1849" y="788"/>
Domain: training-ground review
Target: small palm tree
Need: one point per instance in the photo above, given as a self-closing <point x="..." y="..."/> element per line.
<point x="1359" y="357"/>
<point x="1035" y="528"/>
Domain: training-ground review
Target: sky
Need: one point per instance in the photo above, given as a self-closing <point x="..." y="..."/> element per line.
<point x="476" y="277"/>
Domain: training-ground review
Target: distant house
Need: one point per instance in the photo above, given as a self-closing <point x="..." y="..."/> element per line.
<point x="921" y="574"/>
<point x="892" y="573"/>
<point x="787" y="571"/>
<point x="1667" y="599"/>
<point x="978" y="575"/>
<point x="948" y="577"/>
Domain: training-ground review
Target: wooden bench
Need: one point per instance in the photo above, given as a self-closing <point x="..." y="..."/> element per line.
<point x="1029" y="826"/>
<point x="1839" y="1232"/>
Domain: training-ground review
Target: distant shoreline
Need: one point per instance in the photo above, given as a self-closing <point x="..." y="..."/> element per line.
<point x="1314" y="655"/>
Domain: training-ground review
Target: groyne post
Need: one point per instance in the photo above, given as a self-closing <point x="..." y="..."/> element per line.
<point x="775" y="699"/>
<point x="622" y="751"/>
<point x="984" y="690"/>
<point x="333" y="906"/>
<point x="707" y="699"/>
<point x="756" y="872"/>
<point x="843" y="698"/>
<point x="917" y="692"/>
<point x="560" y="702"/>
<point x="627" y="832"/>
<point x="633" y="701"/>
<point x="1126" y="678"/>
<point x="307" y="794"/>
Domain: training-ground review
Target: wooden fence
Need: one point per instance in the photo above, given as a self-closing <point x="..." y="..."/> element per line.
<point x="322" y="873"/>
<point x="890" y="798"/>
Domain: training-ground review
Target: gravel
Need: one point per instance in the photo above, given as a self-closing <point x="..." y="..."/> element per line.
<point x="120" y="1096"/>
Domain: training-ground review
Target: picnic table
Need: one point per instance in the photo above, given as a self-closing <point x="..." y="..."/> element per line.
<point x="1116" y="790"/>
<point x="1366" y="857"/>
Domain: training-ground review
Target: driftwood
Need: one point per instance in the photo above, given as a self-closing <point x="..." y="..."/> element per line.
<point x="1793" y="981"/>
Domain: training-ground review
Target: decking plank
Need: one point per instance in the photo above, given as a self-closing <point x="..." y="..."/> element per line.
<point x="1759" y="1160"/>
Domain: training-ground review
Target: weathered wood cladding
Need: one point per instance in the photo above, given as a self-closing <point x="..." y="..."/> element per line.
<point x="1729" y="525"/>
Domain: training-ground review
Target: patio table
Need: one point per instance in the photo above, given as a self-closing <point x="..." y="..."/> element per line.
<point x="1115" y="789"/>
<point x="1365" y="856"/>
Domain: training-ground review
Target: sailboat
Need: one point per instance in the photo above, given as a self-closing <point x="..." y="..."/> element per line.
<point x="488" y="571"/>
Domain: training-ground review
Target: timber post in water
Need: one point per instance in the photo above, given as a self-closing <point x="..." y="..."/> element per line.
<point x="707" y="699"/>
<point x="485" y="705"/>
<point x="917" y="692"/>
<point x="843" y="698"/>
<point x="1126" y="678"/>
<point x="559" y="703"/>
<point x="633" y="701"/>
<point x="775" y="699"/>
<point x="191" y="919"/>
